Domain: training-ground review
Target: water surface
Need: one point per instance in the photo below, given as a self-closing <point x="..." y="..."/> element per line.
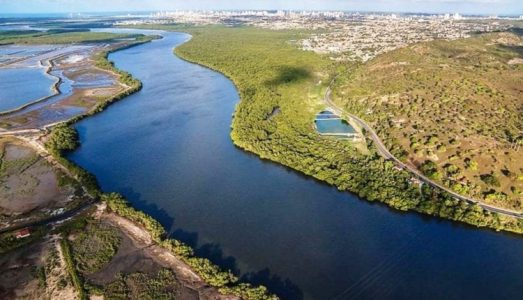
<point x="20" y="86"/>
<point x="167" y="148"/>
<point x="333" y="126"/>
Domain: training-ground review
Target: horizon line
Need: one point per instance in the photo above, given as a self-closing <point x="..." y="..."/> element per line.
<point x="292" y="10"/>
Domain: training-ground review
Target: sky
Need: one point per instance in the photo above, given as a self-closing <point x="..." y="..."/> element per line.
<point x="485" y="7"/>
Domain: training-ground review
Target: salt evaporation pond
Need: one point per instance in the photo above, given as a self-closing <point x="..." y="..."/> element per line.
<point x="20" y="86"/>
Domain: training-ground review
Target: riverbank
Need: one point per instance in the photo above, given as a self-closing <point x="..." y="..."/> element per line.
<point x="285" y="138"/>
<point x="195" y="273"/>
<point x="200" y="274"/>
<point x="247" y="214"/>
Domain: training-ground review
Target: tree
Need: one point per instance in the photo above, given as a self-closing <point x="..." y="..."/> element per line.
<point x="430" y="169"/>
<point x="490" y="179"/>
<point x="62" y="138"/>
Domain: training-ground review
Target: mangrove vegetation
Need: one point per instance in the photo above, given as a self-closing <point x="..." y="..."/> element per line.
<point x="270" y="71"/>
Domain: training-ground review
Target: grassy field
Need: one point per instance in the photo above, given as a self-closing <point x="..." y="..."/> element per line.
<point x="452" y="109"/>
<point x="57" y="37"/>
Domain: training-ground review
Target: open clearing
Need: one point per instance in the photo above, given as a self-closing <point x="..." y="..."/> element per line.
<point x="37" y="271"/>
<point x="30" y="188"/>
<point x="451" y="109"/>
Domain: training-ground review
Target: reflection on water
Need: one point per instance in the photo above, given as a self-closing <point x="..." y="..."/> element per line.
<point x="168" y="149"/>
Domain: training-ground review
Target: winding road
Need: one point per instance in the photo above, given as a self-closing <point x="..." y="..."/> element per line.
<point x="384" y="152"/>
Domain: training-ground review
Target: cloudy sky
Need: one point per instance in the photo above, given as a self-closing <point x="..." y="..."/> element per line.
<point x="488" y="7"/>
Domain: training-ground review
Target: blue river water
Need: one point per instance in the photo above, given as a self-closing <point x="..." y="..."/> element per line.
<point x="167" y="149"/>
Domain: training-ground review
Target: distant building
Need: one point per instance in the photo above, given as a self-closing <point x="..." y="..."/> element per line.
<point x="457" y="16"/>
<point x="23" y="233"/>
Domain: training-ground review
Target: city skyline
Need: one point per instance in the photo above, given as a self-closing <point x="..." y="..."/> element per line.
<point x="483" y="7"/>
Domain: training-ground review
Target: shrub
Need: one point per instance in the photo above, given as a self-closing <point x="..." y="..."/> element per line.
<point x="62" y="138"/>
<point x="94" y="246"/>
<point x="77" y="281"/>
<point x="490" y="179"/>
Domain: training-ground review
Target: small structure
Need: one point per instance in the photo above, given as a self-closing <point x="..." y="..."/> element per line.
<point x="23" y="233"/>
<point x="398" y="168"/>
<point x="415" y="181"/>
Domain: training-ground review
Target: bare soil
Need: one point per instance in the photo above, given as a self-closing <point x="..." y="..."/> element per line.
<point x="19" y="273"/>
<point x="29" y="184"/>
<point x="138" y="252"/>
<point x="18" y="279"/>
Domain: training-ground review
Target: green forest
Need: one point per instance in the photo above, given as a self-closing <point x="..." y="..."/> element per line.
<point x="271" y="72"/>
<point x="58" y="36"/>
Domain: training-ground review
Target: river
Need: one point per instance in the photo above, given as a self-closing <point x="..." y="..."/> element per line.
<point x="167" y="149"/>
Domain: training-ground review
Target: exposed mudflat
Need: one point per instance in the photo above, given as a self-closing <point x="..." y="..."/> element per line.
<point x="80" y="88"/>
<point x="138" y="253"/>
<point x="17" y="271"/>
<point x="20" y="279"/>
<point x="30" y="187"/>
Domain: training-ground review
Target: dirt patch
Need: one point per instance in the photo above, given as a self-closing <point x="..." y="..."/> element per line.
<point x="18" y="272"/>
<point x="27" y="181"/>
<point x="30" y="187"/>
<point x="129" y="258"/>
<point x="14" y="152"/>
<point x="86" y="98"/>
<point x="37" y="271"/>
<point x="138" y="252"/>
<point x="58" y="283"/>
<point x="515" y="61"/>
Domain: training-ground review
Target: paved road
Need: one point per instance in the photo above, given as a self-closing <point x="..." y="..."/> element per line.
<point x="384" y="152"/>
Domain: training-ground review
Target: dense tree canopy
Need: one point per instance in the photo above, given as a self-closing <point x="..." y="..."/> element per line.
<point x="271" y="72"/>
